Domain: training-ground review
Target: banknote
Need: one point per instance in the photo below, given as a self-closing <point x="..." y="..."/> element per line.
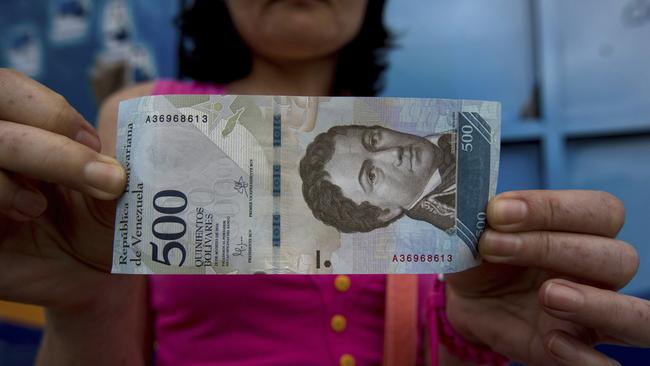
<point x="238" y="184"/>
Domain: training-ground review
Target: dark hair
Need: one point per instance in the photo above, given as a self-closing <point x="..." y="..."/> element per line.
<point x="358" y="72"/>
<point x="325" y="199"/>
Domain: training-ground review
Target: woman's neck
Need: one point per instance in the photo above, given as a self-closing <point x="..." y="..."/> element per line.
<point x="312" y="77"/>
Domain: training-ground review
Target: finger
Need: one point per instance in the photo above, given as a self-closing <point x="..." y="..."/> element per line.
<point x="590" y="212"/>
<point x="18" y="202"/>
<point x="54" y="158"/>
<point x="569" y="351"/>
<point x="25" y="101"/>
<point x="593" y="258"/>
<point x="624" y="318"/>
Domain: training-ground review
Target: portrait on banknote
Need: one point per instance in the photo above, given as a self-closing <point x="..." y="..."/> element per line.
<point x="361" y="178"/>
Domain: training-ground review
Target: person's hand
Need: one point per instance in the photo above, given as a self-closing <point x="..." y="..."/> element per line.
<point x="56" y="227"/>
<point x="57" y="213"/>
<point x="546" y="292"/>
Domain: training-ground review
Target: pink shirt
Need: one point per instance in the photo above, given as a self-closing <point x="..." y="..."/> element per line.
<point x="260" y="320"/>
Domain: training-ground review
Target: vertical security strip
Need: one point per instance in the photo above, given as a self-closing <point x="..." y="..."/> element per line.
<point x="277" y="177"/>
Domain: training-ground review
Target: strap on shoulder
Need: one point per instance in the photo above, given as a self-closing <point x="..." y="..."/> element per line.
<point x="400" y="335"/>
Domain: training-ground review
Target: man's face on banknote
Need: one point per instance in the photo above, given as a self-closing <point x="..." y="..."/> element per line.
<point x="386" y="168"/>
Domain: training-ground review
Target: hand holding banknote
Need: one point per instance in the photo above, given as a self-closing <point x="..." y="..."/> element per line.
<point x="548" y="290"/>
<point x="56" y="228"/>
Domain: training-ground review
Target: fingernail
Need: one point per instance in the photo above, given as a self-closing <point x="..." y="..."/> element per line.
<point x="89" y="139"/>
<point x="106" y="177"/>
<point x="562" y="298"/>
<point x="508" y="211"/>
<point x="614" y="362"/>
<point x="29" y="203"/>
<point x="562" y="348"/>
<point x="499" y="246"/>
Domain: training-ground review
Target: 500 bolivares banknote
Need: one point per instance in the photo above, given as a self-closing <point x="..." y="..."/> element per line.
<point x="281" y="184"/>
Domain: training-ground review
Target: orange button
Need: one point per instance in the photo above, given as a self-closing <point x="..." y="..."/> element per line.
<point x="338" y="323"/>
<point x="347" y="360"/>
<point x="342" y="283"/>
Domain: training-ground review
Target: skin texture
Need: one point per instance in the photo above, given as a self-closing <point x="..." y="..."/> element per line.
<point x="550" y="279"/>
<point x="55" y="246"/>
<point x="294" y="43"/>
<point x="386" y="168"/>
<point x="296" y="30"/>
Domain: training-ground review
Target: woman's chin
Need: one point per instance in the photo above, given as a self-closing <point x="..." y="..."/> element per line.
<point x="297" y="47"/>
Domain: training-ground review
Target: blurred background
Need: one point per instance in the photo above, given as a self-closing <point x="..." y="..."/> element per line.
<point x="573" y="77"/>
